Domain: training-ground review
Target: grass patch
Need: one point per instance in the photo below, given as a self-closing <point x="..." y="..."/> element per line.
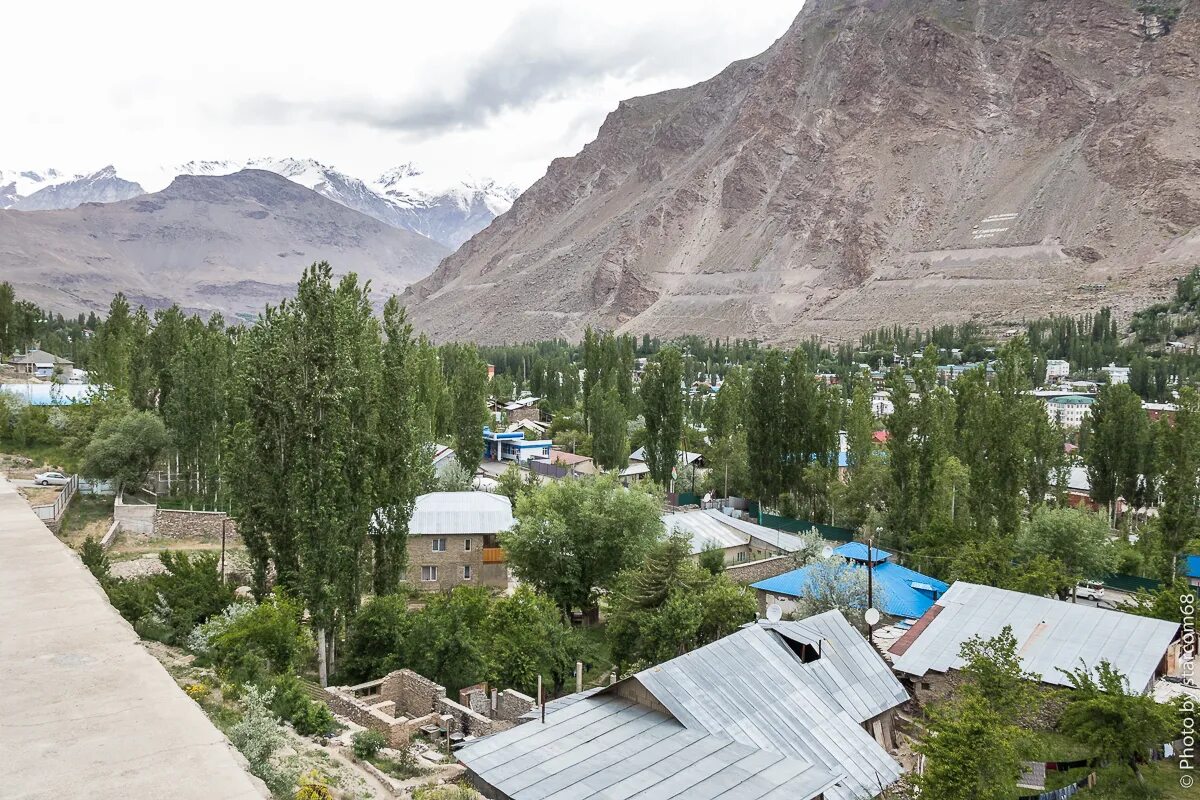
<point x="596" y="656"/>
<point x="44" y="455"/>
<point x="85" y="516"/>
<point x="396" y="768"/>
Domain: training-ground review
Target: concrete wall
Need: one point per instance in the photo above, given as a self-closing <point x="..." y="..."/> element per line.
<point x="137" y="519"/>
<point x="753" y="571"/>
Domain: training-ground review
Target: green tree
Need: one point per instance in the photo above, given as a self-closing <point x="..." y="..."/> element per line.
<point x="124" y="450"/>
<point x="610" y="447"/>
<point x="401" y="459"/>
<point x="662" y="406"/>
<point x="446" y="641"/>
<point x="1118" y="444"/>
<point x="572" y="538"/>
<point x="765" y="432"/>
<point x="1113" y="721"/>
<point x="1079" y="540"/>
<point x="375" y="642"/>
<point x="527" y="636"/>
<point x="1179" y="516"/>
<point x="468" y="385"/>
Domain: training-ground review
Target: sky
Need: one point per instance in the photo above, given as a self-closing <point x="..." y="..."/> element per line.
<point x="493" y="89"/>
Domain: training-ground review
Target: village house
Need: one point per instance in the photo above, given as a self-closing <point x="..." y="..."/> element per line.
<point x="561" y="464"/>
<point x="503" y="446"/>
<point x="522" y="408"/>
<point x="739" y="540"/>
<point x="899" y="592"/>
<point x="452" y="540"/>
<point x="1191" y="568"/>
<point x="1051" y="635"/>
<point x="798" y="710"/>
<point x="1116" y="374"/>
<point x="41" y="364"/>
<point x="443" y="460"/>
<point x="532" y="428"/>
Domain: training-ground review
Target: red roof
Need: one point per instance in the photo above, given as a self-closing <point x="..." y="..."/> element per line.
<point x="912" y="634"/>
<point x="880" y="436"/>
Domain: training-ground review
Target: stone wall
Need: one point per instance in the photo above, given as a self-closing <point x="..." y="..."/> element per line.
<point x="754" y="571"/>
<point x="511" y="705"/>
<point x="464" y="720"/>
<point x="206" y="525"/>
<point x="449" y="562"/>
<point x="414" y="694"/>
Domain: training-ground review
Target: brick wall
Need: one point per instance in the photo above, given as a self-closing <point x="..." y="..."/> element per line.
<point x="450" y="563"/>
<point x="754" y="571"/>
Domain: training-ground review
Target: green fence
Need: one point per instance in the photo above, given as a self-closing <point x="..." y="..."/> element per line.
<point x="687" y="499"/>
<point x="791" y="525"/>
<point x="1130" y="583"/>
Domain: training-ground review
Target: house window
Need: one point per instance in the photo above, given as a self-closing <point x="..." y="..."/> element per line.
<point x="466" y="544"/>
<point x="429" y="573"/>
<point x="439" y="545"/>
<point x="926" y="686"/>
<point x="741" y="556"/>
<point x="466" y="572"/>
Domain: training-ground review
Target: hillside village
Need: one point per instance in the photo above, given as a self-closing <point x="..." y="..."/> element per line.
<point x="385" y="568"/>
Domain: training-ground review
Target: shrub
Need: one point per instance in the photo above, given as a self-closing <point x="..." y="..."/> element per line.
<point x="257" y="736"/>
<point x="449" y="791"/>
<point x="269" y="636"/>
<point x="94" y="558"/>
<point x="312" y="787"/>
<point x="293" y="704"/>
<point x="200" y="640"/>
<point x="367" y="744"/>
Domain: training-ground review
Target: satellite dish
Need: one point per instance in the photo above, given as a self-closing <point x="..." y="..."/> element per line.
<point x="872" y="616"/>
<point x="774" y="612"/>
<point x="826" y="551"/>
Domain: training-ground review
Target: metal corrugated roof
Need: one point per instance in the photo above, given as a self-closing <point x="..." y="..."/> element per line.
<point x="608" y="746"/>
<point x="748" y="719"/>
<point x="787" y="542"/>
<point x="704" y="531"/>
<point x="750" y="687"/>
<point x="896" y="592"/>
<point x="441" y="513"/>
<point x="858" y="552"/>
<point x="1051" y="635"/>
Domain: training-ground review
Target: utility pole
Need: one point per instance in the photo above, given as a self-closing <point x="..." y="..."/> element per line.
<point x="223" y="521"/>
<point x="870" y="586"/>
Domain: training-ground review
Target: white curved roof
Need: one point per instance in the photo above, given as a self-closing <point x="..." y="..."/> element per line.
<point x="441" y="513"/>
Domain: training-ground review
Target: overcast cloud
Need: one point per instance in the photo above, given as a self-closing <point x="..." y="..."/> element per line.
<point x="476" y="88"/>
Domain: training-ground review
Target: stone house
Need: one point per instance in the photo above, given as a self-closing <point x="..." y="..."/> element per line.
<point x="452" y="540"/>
<point x="403" y="702"/>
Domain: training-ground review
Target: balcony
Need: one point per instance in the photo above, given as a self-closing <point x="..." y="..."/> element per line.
<point x="493" y="555"/>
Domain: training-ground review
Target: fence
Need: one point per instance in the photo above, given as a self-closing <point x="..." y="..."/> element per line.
<point x="52" y="514"/>
<point x="793" y="525"/>
<point x="1130" y="583"/>
<point x="549" y="470"/>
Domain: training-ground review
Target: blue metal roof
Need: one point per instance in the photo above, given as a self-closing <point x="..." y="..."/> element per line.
<point x="896" y="592"/>
<point x="1193" y="566"/>
<point x="857" y="551"/>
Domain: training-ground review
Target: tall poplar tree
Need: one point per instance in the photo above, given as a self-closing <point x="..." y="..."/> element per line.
<point x="662" y="405"/>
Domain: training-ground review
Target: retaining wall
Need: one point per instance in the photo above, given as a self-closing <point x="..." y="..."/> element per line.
<point x="753" y="571"/>
<point x="137" y="518"/>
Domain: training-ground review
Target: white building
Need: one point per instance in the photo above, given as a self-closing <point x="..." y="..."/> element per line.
<point x="881" y="404"/>
<point x="1116" y="374"/>
<point x="1069" y="411"/>
<point x="1056" y="369"/>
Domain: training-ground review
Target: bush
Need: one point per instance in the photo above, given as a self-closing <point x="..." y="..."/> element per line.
<point x="367" y="744"/>
<point x="257" y="736"/>
<point x="449" y="791"/>
<point x="168" y="607"/>
<point x="201" y="638"/>
<point x="293" y="704"/>
<point x="268" y="637"/>
<point x="93" y="557"/>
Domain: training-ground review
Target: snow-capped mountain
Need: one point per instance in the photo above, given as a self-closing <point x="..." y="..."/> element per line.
<point x="18" y="183"/>
<point x="102" y="186"/>
<point x="449" y="212"/>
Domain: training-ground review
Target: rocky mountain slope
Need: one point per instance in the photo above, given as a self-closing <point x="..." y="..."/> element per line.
<point x="885" y="161"/>
<point x="212" y="243"/>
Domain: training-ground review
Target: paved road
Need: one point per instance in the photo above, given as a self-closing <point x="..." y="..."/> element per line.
<point x="85" y="710"/>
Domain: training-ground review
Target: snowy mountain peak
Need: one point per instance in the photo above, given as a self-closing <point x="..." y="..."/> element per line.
<point x="404" y="196"/>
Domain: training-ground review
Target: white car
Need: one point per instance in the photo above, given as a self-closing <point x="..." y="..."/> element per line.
<point x="51" y="479"/>
<point x="1089" y="590"/>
